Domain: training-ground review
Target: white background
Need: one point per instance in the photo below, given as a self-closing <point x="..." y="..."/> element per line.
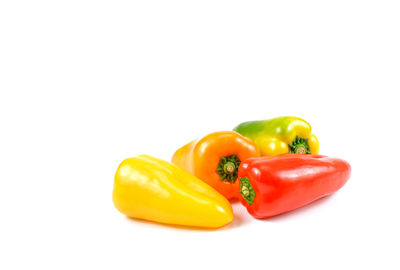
<point x="85" y="84"/>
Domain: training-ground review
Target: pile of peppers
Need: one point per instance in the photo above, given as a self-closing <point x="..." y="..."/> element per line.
<point x="272" y="167"/>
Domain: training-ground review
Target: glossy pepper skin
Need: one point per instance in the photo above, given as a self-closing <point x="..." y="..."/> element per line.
<point x="274" y="185"/>
<point x="287" y="134"/>
<point x="215" y="159"/>
<point x="152" y="189"/>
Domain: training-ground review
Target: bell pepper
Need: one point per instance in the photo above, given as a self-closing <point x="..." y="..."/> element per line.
<point x="271" y="186"/>
<point x="152" y="189"/>
<point x="287" y="134"/>
<point x="215" y="159"/>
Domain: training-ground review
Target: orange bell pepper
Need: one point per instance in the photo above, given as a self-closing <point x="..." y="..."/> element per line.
<point x="215" y="159"/>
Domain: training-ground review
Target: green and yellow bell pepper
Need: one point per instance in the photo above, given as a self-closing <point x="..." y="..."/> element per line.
<point x="287" y="134"/>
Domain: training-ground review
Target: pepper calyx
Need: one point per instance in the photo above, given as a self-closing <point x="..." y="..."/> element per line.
<point x="227" y="168"/>
<point x="247" y="190"/>
<point x="299" y="146"/>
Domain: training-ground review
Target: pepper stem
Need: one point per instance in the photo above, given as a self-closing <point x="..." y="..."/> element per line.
<point x="228" y="168"/>
<point x="299" y="146"/>
<point x="300" y="149"/>
<point x="246" y="190"/>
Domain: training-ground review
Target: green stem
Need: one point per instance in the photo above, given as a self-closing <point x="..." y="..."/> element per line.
<point x="299" y="146"/>
<point x="228" y="168"/>
<point x="246" y="190"/>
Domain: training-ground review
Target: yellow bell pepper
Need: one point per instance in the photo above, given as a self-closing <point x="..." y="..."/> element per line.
<point x="152" y="189"/>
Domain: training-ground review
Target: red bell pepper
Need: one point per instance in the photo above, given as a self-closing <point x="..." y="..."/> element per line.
<point x="274" y="185"/>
